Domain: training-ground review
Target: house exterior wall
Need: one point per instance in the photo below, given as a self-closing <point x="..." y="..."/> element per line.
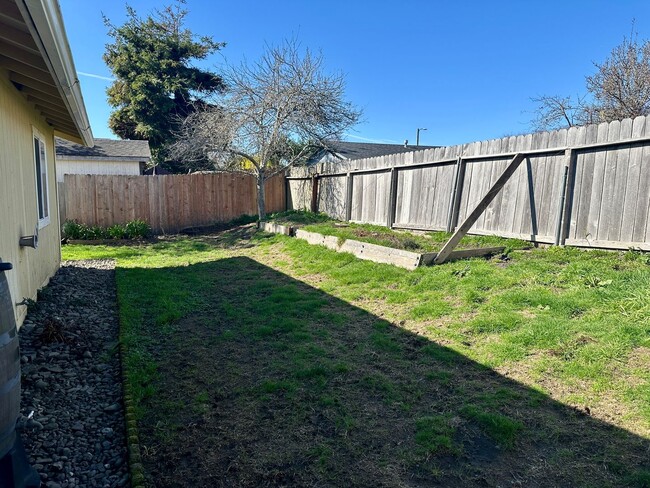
<point x="95" y="167"/>
<point x="18" y="197"/>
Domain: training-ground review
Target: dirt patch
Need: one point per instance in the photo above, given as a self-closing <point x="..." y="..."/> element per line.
<point x="238" y="237"/>
<point x="640" y="359"/>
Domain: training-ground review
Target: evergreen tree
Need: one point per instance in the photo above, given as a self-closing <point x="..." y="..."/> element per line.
<point x="156" y="86"/>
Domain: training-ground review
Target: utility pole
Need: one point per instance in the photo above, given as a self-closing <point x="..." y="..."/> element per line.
<point x="417" y="137"/>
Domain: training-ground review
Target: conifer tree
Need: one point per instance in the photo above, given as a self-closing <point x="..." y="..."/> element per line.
<point x="156" y="86"/>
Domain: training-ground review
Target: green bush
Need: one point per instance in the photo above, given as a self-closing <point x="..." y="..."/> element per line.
<point x="96" y="233"/>
<point x="135" y="229"/>
<point x="116" y="232"/>
<point x="73" y="230"/>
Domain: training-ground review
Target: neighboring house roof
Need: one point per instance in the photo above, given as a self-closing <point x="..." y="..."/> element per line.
<point x="156" y="170"/>
<point x="104" y="149"/>
<point x="361" y="150"/>
<point x="34" y="50"/>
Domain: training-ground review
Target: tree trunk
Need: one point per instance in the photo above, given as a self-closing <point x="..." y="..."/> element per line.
<point x="261" y="196"/>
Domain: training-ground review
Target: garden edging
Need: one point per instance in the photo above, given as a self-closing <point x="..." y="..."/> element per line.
<point x="374" y="252"/>
<point x="136" y="469"/>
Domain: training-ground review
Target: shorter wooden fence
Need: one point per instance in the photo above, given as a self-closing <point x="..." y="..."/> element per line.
<point x="168" y="203"/>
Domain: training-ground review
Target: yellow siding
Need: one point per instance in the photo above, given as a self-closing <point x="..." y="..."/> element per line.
<point x="18" y="202"/>
<point x="83" y="167"/>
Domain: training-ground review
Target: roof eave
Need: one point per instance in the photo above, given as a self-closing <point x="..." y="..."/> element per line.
<point x="45" y="23"/>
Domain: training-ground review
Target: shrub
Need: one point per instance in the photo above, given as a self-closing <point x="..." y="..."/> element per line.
<point x="73" y="230"/>
<point x="135" y="229"/>
<point x="116" y="232"/>
<point x="95" y="233"/>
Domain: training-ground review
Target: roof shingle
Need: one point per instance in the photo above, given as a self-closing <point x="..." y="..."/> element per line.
<point x="104" y="149"/>
<point x="361" y="150"/>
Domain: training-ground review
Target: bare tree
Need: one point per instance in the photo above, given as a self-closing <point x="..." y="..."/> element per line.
<point x="620" y="88"/>
<point x="275" y="113"/>
<point x="557" y="112"/>
<point x="621" y="85"/>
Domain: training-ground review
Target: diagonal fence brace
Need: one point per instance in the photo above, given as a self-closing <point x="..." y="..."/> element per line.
<point x="464" y="228"/>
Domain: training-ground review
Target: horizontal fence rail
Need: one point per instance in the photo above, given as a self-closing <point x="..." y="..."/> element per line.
<point x="585" y="186"/>
<point x="168" y="203"/>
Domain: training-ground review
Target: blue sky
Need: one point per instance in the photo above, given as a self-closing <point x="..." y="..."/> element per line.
<point x="463" y="70"/>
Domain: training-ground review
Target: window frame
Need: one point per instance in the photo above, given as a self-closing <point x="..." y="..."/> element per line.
<point x="41" y="178"/>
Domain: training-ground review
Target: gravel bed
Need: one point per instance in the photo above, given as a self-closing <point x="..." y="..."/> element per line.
<point x="72" y="418"/>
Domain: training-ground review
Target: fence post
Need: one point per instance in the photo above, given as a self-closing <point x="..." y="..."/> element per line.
<point x="314" y="193"/>
<point x="392" y="198"/>
<point x="287" y="192"/>
<point x="456" y="194"/>
<point x="566" y="201"/>
<point x="348" y="197"/>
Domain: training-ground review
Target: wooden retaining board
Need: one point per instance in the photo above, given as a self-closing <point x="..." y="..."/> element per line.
<point x="287" y="230"/>
<point x="382" y="254"/>
<point x="374" y="252"/>
<point x="330" y="242"/>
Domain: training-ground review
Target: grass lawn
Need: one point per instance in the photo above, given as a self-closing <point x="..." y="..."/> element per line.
<point x="260" y="360"/>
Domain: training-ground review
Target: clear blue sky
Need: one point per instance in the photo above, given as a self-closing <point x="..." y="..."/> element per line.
<point x="464" y="70"/>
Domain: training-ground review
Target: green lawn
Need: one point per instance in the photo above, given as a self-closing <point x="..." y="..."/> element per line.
<point x="262" y="360"/>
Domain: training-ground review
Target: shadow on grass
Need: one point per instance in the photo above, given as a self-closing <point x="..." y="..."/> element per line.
<point x="248" y="377"/>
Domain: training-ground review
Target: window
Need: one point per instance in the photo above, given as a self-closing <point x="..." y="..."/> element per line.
<point x="42" y="193"/>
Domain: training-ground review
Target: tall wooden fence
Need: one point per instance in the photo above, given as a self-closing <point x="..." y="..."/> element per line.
<point x="168" y="203"/>
<point x="586" y="186"/>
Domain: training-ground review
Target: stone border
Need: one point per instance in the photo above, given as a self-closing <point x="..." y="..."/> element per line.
<point x="136" y="469"/>
<point x="374" y="252"/>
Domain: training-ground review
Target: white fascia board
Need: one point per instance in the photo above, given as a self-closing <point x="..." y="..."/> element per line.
<point x="45" y="23"/>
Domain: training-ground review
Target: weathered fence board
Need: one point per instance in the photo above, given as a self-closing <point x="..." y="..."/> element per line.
<point x="168" y="203"/>
<point x="607" y="195"/>
<point x="632" y="182"/>
<point x="641" y="230"/>
<point x="60" y="191"/>
<point x="332" y="196"/>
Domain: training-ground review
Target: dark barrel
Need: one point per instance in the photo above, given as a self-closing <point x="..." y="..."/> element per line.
<point x="9" y="366"/>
